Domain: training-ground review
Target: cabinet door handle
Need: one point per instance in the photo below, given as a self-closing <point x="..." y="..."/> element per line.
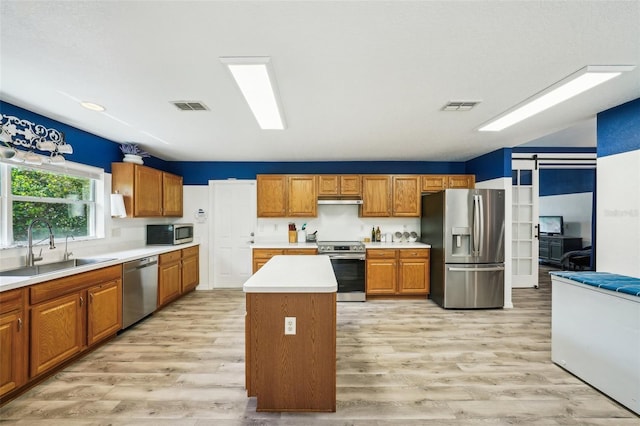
<point x="91" y="298"/>
<point x="19" y="324"/>
<point x="81" y="301"/>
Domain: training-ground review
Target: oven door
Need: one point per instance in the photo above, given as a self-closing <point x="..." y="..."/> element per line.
<point x="350" y="275"/>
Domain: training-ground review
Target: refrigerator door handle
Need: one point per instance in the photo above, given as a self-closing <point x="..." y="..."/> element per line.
<point x="491" y="269"/>
<point x="476" y="225"/>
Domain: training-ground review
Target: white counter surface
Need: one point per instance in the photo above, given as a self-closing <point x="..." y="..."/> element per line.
<point x="283" y="245"/>
<point x="117" y="257"/>
<point x="397" y="245"/>
<point x="286" y="245"/>
<point x="294" y="274"/>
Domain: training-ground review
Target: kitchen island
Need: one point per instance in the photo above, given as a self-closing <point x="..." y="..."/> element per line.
<point x="290" y="334"/>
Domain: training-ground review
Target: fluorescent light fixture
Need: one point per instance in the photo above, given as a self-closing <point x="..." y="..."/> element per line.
<point x="576" y="83"/>
<point x="254" y="77"/>
<point x="92" y="106"/>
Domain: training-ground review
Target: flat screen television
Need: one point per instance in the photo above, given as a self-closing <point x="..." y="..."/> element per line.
<point x="551" y="225"/>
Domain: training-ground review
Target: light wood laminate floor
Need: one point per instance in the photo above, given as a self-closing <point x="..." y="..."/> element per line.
<point x="401" y="362"/>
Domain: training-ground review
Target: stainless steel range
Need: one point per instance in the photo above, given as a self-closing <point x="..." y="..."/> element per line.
<point x="348" y="261"/>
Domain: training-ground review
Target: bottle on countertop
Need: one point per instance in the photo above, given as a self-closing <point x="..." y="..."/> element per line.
<point x="373" y="234"/>
<point x="378" y="234"/>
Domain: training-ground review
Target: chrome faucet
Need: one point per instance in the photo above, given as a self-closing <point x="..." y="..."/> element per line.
<point x="67" y="254"/>
<point x="31" y="259"/>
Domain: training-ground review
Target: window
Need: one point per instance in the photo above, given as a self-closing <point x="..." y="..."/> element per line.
<point x="64" y="197"/>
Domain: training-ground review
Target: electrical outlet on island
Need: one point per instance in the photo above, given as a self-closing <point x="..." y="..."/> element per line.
<point x="290" y="325"/>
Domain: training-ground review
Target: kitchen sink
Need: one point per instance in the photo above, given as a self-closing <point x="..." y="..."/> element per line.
<point x="27" y="271"/>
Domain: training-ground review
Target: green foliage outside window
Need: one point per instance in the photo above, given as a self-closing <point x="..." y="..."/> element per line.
<point x="65" y="203"/>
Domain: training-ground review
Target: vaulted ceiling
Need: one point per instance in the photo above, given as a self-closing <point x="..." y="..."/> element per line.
<point x="358" y="80"/>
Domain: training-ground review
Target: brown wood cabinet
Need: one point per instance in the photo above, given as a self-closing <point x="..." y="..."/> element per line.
<point x="287" y="196"/>
<point x="382" y="271"/>
<point x="147" y="192"/>
<point x="104" y="311"/>
<point x="172" y="194"/>
<point x="45" y="325"/>
<point x="169" y="277"/>
<point x="272" y="195"/>
<point x="13" y="341"/>
<point x="178" y="273"/>
<point x="302" y="196"/>
<point x="339" y="186"/>
<point x="376" y="196"/>
<point x="262" y="256"/>
<point x="397" y="272"/>
<point x="413" y="271"/>
<point x="190" y="268"/>
<point x="70" y="314"/>
<point x="291" y="372"/>
<point x="433" y="183"/>
<point x="406" y="196"/>
<point x="461" y="181"/>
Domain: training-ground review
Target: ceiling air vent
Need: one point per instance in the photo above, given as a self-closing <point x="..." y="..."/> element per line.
<point x="190" y="106"/>
<point x="460" y="105"/>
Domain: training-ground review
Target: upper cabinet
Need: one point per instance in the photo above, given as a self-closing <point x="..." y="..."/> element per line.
<point x="147" y="192"/>
<point x="433" y="183"/>
<point x="287" y="196"/>
<point x="382" y="195"/>
<point x="171" y="195"/>
<point x="302" y="196"/>
<point x="339" y="186"/>
<point x="272" y="195"/>
<point x="461" y="181"/>
<point x="376" y="196"/>
<point x="406" y="196"/>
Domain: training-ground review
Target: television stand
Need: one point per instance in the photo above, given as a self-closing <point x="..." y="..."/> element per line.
<point x="553" y="247"/>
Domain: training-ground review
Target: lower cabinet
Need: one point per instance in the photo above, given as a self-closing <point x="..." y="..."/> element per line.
<point x="190" y="268"/>
<point x="13" y="341"/>
<point x="553" y="247"/>
<point x="178" y="273"/>
<point x="262" y="256"/>
<point x="104" y="311"/>
<point x="44" y="325"/>
<point x="169" y="277"/>
<point x="70" y="314"/>
<point x="397" y="272"/>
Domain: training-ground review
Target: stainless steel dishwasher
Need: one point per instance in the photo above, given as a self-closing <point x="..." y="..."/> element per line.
<point x="139" y="289"/>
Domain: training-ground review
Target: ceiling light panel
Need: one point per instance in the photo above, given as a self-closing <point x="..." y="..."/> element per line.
<point x="256" y="81"/>
<point x="572" y="85"/>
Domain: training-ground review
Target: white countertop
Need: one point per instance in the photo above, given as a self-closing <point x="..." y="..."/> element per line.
<point x="397" y="245"/>
<point x="294" y="274"/>
<point x="286" y="245"/>
<point x="283" y="245"/>
<point x="117" y="257"/>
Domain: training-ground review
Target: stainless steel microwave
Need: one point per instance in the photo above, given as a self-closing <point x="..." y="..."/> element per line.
<point x="176" y="233"/>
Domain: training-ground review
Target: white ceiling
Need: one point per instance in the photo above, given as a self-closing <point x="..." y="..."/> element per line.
<point x="359" y="80"/>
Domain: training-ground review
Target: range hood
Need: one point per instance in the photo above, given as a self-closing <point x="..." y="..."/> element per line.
<point x="336" y="200"/>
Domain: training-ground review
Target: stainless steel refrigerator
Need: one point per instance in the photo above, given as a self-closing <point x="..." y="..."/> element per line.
<point x="465" y="228"/>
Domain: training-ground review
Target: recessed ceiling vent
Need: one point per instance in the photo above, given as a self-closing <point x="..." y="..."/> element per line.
<point x="460" y="105"/>
<point x="190" y="106"/>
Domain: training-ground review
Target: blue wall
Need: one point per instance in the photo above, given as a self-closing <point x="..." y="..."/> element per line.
<point x="87" y="148"/>
<point x="198" y="173"/>
<point x="566" y="181"/>
<point x="496" y="164"/>
<point x="619" y="129"/>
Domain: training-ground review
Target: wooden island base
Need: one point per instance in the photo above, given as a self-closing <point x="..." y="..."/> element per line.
<point x="292" y="368"/>
<point x="291" y="372"/>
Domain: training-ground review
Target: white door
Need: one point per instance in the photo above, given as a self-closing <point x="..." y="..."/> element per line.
<point x="524" y="251"/>
<point x="233" y="223"/>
